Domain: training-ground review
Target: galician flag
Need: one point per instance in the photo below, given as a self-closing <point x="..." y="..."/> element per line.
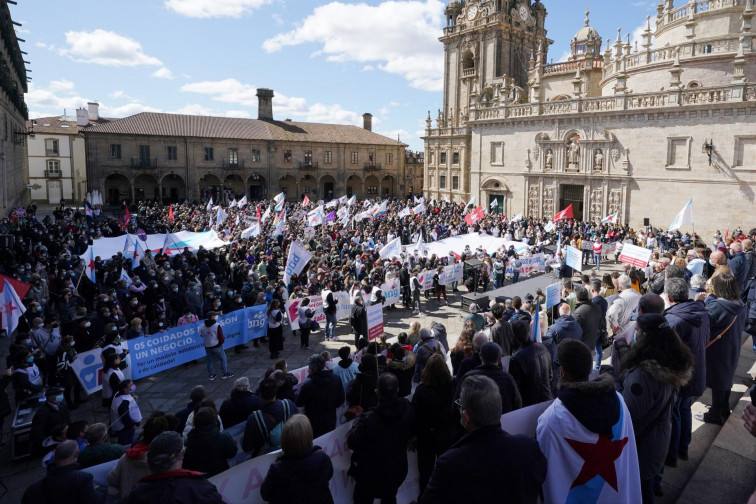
<point x="404" y="213"/>
<point x="209" y="205"/>
<point x="352" y="200"/>
<point x="610" y="219"/>
<point x="315" y="217"/>
<point x="125" y="277"/>
<point x="12" y="308"/>
<point x="305" y="201"/>
<point x="684" y="217"/>
<point x="90" y="266"/>
<point x="343" y="199"/>
<point x="419" y="209"/>
<point x="243" y="202"/>
<point x="233" y="203"/>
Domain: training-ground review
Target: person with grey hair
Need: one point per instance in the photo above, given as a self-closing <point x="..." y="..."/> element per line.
<point x="490" y="357"/>
<point x="64" y="480"/>
<point x="691" y="322"/>
<point x="697" y="284"/>
<point x="168" y="480"/>
<point x="320" y="396"/>
<point x="618" y="315"/>
<point x="242" y="402"/>
<point x="473" y="361"/>
<point x="504" y="464"/>
<point x="427" y="346"/>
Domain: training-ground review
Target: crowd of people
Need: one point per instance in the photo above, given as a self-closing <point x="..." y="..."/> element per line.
<point x="674" y="328"/>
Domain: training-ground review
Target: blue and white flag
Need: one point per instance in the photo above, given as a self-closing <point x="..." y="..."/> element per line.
<point x="343" y="200"/>
<point x="419" y="209"/>
<point x="315" y="217"/>
<point x="333" y="203"/>
<point x="296" y="261"/>
<point x="352" y="200"/>
<point x="125" y="277"/>
<point x="610" y="219"/>
<point x="209" y="205"/>
<point x="233" y="203"/>
<point x="265" y="215"/>
<point x="470" y="203"/>
<point x="404" y="213"/>
<point x="90" y="267"/>
<point x="391" y="249"/>
<point x="684" y="217"/>
<point x="252" y="231"/>
<point x="221" y="215"/>
<point x="243" y="202"/>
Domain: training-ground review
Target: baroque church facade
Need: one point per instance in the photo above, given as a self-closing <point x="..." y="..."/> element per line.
<point x="634" y="129"/>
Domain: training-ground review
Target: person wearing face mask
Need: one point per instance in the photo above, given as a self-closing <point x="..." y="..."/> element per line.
<point x="212" y="336"/>
<point x="65" y="374"/>
<point x="160" y="323"/>
<point x="134" y="309"/>
<point x="53" y="412"/>
<point x="174" y="298"/>
<point x="46" y="336"/>
<point x="135" y="329"/>
<point x="81" y="329"/>
<point x="125" y="414"/>
<point x="137" y="287"/>
<point x="112" y="339"/>
<point x="26" y="378"/>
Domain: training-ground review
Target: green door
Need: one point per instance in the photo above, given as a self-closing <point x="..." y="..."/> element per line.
<point x="498" y="207"/>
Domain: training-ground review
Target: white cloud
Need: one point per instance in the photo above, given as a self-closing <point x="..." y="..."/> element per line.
<point x="233" y="91"/>
<point x="193" y="109"/>
<point x="61" y="85"/>
<point x="126" y="109"/>
<point x="277" y="19"/>
<point x="392" y="28"/>
<point x="162" y="73"/>
<point x="242" y="114"/>
<point x="44" y="101"/>
<point x="214" y="8"/>
<point x="106" y="48"/>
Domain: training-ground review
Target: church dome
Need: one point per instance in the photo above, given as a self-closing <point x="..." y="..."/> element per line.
<point x="586" y="32"/>
<point x="453" y="8"/>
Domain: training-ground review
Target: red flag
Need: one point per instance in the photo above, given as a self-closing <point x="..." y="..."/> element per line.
<point x="126" y="218"/>
<point x="564" y="214"/>
<point x="257" y="212"/>
<point x="305" y="201"/>
<point x="475" y="216"/>
<point x="170" y="213"/>
<point x="21" y="287"/>
<point x="727" y="233"/>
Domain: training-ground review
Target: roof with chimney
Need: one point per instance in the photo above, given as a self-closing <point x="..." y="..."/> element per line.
<point x="179" y="125"/>
<point x="59" y="125"/>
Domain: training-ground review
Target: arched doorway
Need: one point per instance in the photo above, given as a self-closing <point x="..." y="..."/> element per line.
<point x="496" y="190"/>
<point x="327" y="187"/>
<point x="354" y="186"/>
<point x="288" y="186"/>
<point x="209" y="187"/>
<point x="145" y="188"/>
<point x="117" y="189"/>
<point x="388" y="186"/>
<point x="371" y="186"/>
<point x="173" y="189"/>
<point x="234" y="186"/>
<point x="257" y="187"/>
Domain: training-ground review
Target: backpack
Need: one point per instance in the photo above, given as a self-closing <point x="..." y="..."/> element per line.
<point x="272" y="437"/>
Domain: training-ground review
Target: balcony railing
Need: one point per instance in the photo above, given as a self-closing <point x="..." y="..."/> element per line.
<point x="144" y="163"/>
<point x="308" y="165"/>
<point x="233" y="163"/>
<point x="372" y="166"/>
<point x="52" y="153"/>
<point x="52" y="174"/>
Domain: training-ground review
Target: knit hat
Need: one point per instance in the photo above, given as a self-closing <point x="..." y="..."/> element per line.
<point x="425" y="333"/>
<point x="164" y="450"/>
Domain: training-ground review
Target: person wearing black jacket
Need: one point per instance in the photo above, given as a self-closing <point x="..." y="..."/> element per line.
<point x="361" y="390"/>
<point x="51" y="414"/>
<point x="237" y="408"/>
<point x="490" y="356"/>
<point x="320" y="396"/>
<point x="378" y="440"/>
<point x="531" y="366"/>
<point x="358" y="319"/>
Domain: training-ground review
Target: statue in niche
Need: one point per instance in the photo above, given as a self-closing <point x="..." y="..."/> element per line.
<point x="573" y="155"/>
<point x="598" y="160"/>
<point x="549" y="163"/>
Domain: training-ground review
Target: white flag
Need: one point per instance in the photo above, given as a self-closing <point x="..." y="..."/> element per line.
<point x="684" y="217"/>
<point x="221" y="215"/>
<point x="343" y="200"/>
<point x="517" y="217"/>
<point x="278" y="198"/>
<point x="421" y="199"/>
<point x="420" y="245"/>
<point x="210" y="204"/>
<point x="333" y="203"/>
<point x="470" y="203"/>
<point x="265" y="215"/>
<point x="252" y="231"/>
<point x="233" y="203"/>
<point x="243" y="202"/>
<point x="315" y="217"/>
<point x="494" y="203"/>
<point x="352" y="200"/>
<point x="297" y="260"/>
<point x="419" y="209"/>
<point x="125" y="277"/>
<point x="404" y="213"/>
<point x="391" y="249"/>
<point x="12" y="308"/>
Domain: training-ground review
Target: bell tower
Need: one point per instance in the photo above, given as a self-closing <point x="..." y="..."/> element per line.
<point x="487" y="47"/>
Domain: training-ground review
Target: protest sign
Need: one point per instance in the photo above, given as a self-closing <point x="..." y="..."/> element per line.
<point x="316" y="305"/>
<point x="296" y="261"/>
<point x="391" y="249"/>
<point x="391" y="291"/>
<point x="574" y="258"/>
<point x="553" y="294"/>
<point x="426" y="279"/>
<point x="375" y="321"/>
<point x="637" y="256"/>
<point x="450" y="274"/>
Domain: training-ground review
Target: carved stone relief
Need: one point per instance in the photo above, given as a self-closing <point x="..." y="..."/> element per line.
<point x="549" y="161"/>
<point x="536" y="152"/>
<point x="533" y="201"/>
<point x="615" y="201"/>
<point x="548" y="201"/>
<point x="573" y="154"/>
<point x="596" y="204"/>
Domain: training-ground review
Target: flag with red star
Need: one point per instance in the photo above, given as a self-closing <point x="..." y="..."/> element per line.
<point x="584" y="466"/>
<point x="90" y="265"/>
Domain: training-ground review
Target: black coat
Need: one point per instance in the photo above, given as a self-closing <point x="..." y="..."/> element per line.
<point x="299" y="479"/>
<point x="44" y="421"/>
<point x="505" y="468"/>
<point x="64" y="485"/>
<point x="510" y="394"/>
<point x="361" y="390"/>
<point x="174" y="487"/>
<point x="208" y="450"/>
<point x="532" y="370"/>
<point x="722" y="356"/>
<point x="237" y="408"/>
<point x="435" y="423"/>
<point x="691" y="322"/>
<point x="320" y="396"/>
<point x="378" y="439"/>
<point x="588" y="315"/>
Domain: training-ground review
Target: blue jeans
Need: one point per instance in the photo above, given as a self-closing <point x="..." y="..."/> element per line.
<point x="682" y="427"/>
<point x="330" y="325"/>
<point x="217" y="352"/>
<point x="597" y="261"/>
<point x="516" y="275"/>
<point x="599" y="350"/>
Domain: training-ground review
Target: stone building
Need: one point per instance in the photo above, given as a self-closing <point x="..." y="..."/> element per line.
<point x="173" y="157"/>
<point x="13" y="115"/>
<point x="634" y="129"/>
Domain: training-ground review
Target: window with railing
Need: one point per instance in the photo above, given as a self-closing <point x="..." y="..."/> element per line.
<point x="308" y="158"/>
<point x="51" y="147"/>
<point x="53" y="168"/>
<point x="233" y="156"/>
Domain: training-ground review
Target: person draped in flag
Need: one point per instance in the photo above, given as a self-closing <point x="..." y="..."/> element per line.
<point x="587" y="436"/>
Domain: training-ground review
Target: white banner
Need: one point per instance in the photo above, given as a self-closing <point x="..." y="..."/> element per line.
<point x="297" y="260"/>
<point x="528" y="264"/>
<point x="108" y="247"/>
<point x="426" y="279"/>
<point x="451" y="273"/>
<point x="392" y="292"/>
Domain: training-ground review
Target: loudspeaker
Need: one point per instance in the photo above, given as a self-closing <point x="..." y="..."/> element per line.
<point x="646" y="221"/>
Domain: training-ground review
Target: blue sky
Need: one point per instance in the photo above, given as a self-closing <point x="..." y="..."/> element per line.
<point x="326" y="61"/>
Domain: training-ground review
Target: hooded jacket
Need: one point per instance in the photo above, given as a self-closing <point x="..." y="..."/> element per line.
<point x="565" y="327"/>
<point x="650" y="390"/>
<point x="722" y="356"/>
<point x="299" y="479"/>
<point x="131" y="467"/>
<point x="425" y="348"/>
<point x="691" y="322"/>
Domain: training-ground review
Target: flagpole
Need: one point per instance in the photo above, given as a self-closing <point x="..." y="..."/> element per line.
<point x="79" y="280"/>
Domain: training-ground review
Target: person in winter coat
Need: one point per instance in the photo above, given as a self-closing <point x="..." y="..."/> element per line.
<point x="439" y="332"/>
<point x="346" y="368"/>
<point x="302" y="472"/>
<point x="531" y="367"/>
<point x="402" y="364"/>
<point x="132" y="466"/>
<point x="51" y="414"/>
<point x="691" y="322"/>
<point x="728" y="317"/>
<point x="497" y="463"/>
<point x="501" y="331"/>
<point x="125" y="415"/>
<point x="168" y="481"/>
<point x="207" y="448"/>
<point x="275" y="329"/>
<point x="436" y="427"/>
<point x="320" y="396"/>
<point x="427" y="346"/>
<point x="261" y="423"/>
<point x="588" y="315"/>
<point x="358" y="319"/>
<point x="237" y="408"/>
<point x="361" y="391"/>
<point x="99" y="449"/>
<point x="378" y="440"/>
<point x="490" y="357"/>
<point x="653" y="370"/>
<point x="565" y="327"/>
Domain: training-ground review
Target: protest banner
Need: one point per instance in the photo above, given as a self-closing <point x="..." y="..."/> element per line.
<point x="426" y="279"/>
<point x="392" y="292"/>
<point x="524" y="420"/>
<point x="296" y="261"/>
<point x="316" y="305"/>
<point x="450" y="274"/>
<point x="574" y="258"/>
<point x="375" y="321"/>
<point x="637" y="256"/>
<point x="553" y="294"/>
